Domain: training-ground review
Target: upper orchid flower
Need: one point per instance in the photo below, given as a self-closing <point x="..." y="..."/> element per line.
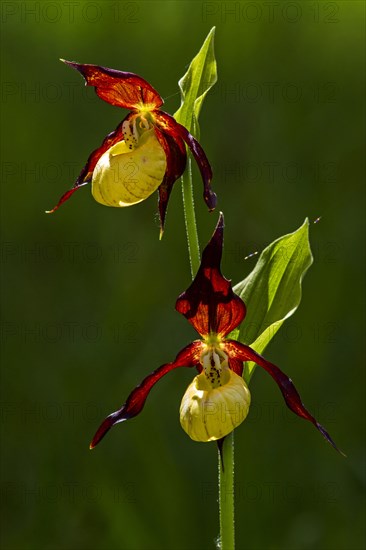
<point x="145" y="152"/>
<point x="218" y="399"/>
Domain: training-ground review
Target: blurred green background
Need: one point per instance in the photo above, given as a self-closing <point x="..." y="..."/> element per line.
<point x="89" y="293"/>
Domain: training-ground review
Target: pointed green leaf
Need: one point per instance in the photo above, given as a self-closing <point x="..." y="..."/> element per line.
<point x="272" y="291"/>
<point x="194" y="85"/>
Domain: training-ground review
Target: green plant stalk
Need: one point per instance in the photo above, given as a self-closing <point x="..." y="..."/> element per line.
<point x="226" y="494"/>
<point x="226" y="474"/>
<point x="190" y="219"/>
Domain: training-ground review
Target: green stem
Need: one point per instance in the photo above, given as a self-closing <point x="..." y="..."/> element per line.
<point x="226" y="475"/>
<point x="190" y="219"/>
<point x="226" y="494"/>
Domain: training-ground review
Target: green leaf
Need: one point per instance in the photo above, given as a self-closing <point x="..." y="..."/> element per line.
<point x="194" y="85"/>
<point x="272" y="291"/>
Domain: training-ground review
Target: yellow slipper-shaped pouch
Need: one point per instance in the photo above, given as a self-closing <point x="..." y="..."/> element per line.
<point x="125" y="176"/>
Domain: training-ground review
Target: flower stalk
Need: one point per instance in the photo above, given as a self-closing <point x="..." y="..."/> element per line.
<point x="226" y="453"/>
<point x="226" y="494"/>
<point x="190" y="219"/>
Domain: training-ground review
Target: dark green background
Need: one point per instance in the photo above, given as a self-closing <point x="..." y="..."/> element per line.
<point x="89" y="293"/>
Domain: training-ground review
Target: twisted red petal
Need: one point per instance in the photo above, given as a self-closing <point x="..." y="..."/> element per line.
<point x="87" y="172"/>
<point x="119" y="88"/>
<point x="66" y="197"/>
<point x="176" y="157"/>
<point x="290" y="394"/>
<point x="236" y="365"/>
<point x="210" y="304"/>
<point x="170" y="126"/>
<point x="187" y="357"/>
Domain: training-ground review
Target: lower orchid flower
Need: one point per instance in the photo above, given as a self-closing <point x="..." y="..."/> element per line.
<point x="218" y="398"/>
<point x="147" y="150"/>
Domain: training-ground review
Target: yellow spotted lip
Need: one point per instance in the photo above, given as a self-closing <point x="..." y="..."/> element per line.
<point x="124" y="177"/>
<point x="208" y="414"/>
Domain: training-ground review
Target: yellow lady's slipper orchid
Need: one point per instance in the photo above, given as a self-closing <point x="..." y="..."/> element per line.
<point x="145" y="153"/>
<point x="218" y="399"/>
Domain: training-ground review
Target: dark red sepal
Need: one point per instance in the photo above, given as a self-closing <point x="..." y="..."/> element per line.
<point x="290" y="394"/>
<point x="176" y="158"/>
<point x="171" y="126"/>
<point x="210" y="304"/>
<point x="87" y="172"/>
<point x="118" y="88"/>
<point x="187" y="357"/>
